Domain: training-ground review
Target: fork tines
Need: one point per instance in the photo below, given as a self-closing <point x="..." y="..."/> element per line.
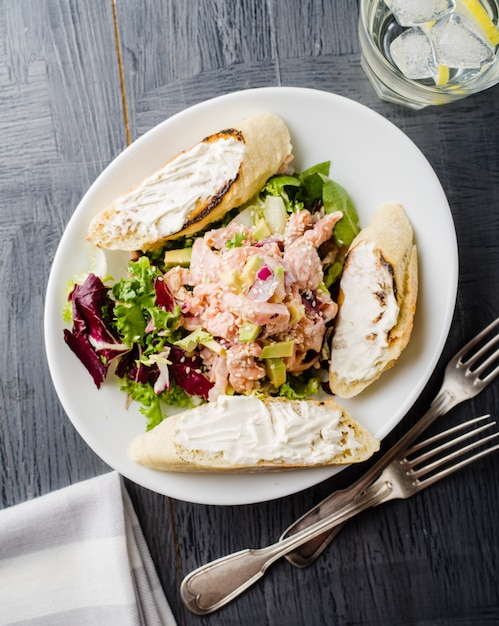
<point x="427" y="474"/>
<point x="482" y="362"/>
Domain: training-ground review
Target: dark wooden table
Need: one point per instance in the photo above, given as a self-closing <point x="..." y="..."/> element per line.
<point x="79" y="80"/>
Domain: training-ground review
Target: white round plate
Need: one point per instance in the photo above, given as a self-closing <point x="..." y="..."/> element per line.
<point x="376" y="163"/>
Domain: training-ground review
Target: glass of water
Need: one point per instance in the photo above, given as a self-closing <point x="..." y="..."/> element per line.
<point x="429" y="52"/>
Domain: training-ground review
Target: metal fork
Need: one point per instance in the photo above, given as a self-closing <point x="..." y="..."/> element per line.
<point x="466" y="375"/>
<point x="213" y="585"/>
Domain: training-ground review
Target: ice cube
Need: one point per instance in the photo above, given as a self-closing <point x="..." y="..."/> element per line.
<point x="415" y="12"/>
<point x="457" y="44"/>
<point x="413" y="54"/>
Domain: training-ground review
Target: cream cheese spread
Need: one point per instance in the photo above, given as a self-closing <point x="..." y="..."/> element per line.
<point x="368" y="313"/>
<point x="246" y="430"/>
<point x="161" y="205"/>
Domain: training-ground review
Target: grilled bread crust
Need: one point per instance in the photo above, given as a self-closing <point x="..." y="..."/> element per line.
<point x="267" y="147"/>
<point x="158" y="449"/>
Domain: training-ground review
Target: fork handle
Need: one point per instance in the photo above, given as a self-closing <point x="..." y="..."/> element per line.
<point x="309" y="551"/>
<point x="213" y="585"/>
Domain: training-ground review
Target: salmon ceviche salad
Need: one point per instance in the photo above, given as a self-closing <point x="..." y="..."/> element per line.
<point x="244" y="307"/>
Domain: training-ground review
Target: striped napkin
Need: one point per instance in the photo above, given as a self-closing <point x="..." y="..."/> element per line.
<point x="78" y="556"/>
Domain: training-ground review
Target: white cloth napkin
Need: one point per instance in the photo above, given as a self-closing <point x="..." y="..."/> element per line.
<point x="78" y="556"/>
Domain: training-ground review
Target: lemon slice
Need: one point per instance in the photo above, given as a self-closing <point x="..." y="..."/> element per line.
<point x="482" y="18"/>
<point x="442" y="77"/>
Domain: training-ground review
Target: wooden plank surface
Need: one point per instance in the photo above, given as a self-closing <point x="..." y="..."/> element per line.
<point x="61" y="123"/>
<point x="431" y="560"/>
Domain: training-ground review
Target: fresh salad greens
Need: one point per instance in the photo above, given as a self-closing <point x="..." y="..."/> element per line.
<point x="312" y="189"/>
<point x="225" y="310"/>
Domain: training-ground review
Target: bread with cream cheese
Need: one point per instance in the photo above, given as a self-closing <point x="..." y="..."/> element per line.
<point x="248" y="434"/>
<point x="377" y="302"/>
<point x="196" y="187"/>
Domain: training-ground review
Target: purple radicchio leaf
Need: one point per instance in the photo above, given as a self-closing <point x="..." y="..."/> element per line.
<point x="156" y="374"/>
<point x="186" y="371"/>
<point x="137" y="371"/>
<point x="92" y="338"/>
<point x="164" y="297"/>
<point x="80" y="345"/>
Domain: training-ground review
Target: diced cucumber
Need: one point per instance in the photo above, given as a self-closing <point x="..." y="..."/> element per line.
<point x="249" y="331"/>
<point x="182" y="256"/>
<point x="200" y="337"/>
<point x="276" y="371"/>
<point x="275" y="214"/>
<point x="297" y="311"/>
<point x="262" y="230"/>
<point x="247" y="217"/>
<point x="280" y="292"/>
<point x="214" y="346"/>
<point x="278" y="349"/>
<point x="232" y="278"/>
<point x="251" y="267"/>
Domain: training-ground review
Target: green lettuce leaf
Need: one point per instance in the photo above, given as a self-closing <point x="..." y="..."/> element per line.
<point x="313" y="188"/>
<point x="153" y="405"/>
<point x="299" y="387"/>
<point x="336" y="198"/>
<point x="136" y="306"/>
<point x="332" y="273"/>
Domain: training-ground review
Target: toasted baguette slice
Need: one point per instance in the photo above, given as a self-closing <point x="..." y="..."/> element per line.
<point x="377" y="302"/>
<point x="195" y="187"/>
<point x="247" y="434"/>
